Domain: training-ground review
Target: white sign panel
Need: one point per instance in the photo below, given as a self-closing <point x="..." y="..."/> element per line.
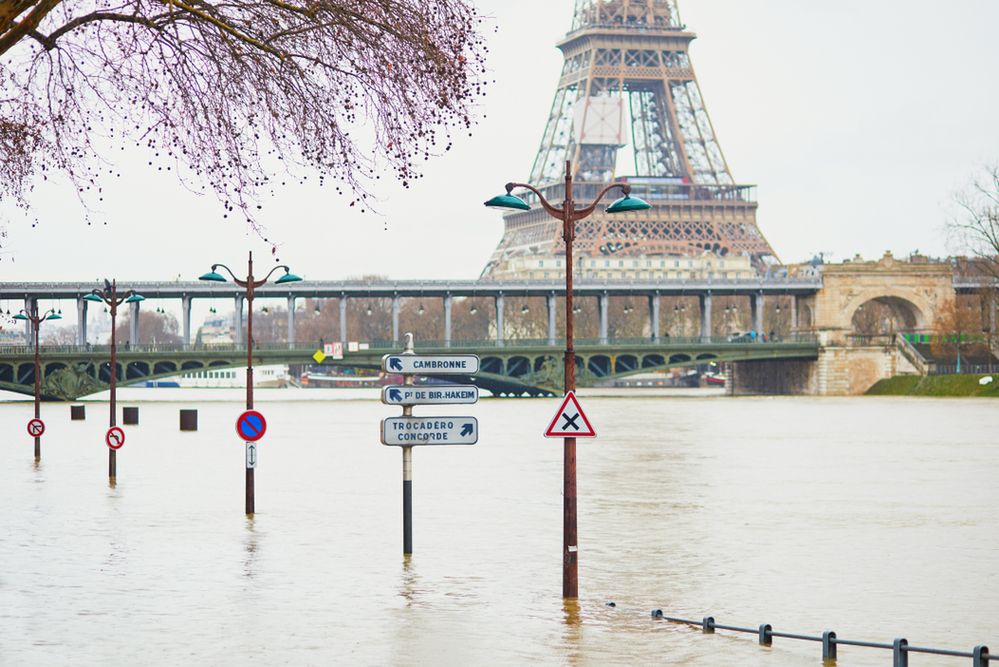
<point x="441" y="364"/>
<point x="251" y="455"/>
<point x="333" y="350"/>
<point x="408" y="431"/>
<point x="430" y="394"/>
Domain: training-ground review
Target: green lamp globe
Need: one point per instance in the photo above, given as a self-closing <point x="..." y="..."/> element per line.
<point x="213" y="276"/>
<point x="508" y="201"/>
<point x="288" y="278"/>
<point x="628" y="203"/>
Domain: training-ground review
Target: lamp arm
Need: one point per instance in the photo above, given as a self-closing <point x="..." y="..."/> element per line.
<point x="50" y="311"/>
<point x="100" y="295"/>
<point x="553" y="211"/>
<point x="121" y="299"/>
<point x="263" y="280"/>
<point x="585" y="212"/>
<point x="241" y="283"/>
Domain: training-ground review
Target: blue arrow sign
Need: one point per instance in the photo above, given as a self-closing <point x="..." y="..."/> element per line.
<point x="411" y="431"/>
<point x="430" y="394"/>
<point x="431" y="364"/>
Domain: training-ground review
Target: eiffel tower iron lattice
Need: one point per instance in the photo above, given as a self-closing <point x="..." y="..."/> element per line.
<point x="627" y="81"/>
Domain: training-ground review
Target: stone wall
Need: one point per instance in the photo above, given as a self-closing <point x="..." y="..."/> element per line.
<point x="838" y="371"/>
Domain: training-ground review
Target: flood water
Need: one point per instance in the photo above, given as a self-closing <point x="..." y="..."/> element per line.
<point x="874" y="517"/>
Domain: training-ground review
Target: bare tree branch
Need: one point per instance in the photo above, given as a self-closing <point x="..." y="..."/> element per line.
<point x="238" y="96"/>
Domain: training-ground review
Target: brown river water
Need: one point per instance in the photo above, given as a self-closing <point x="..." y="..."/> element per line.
<point x="874" y="517"/>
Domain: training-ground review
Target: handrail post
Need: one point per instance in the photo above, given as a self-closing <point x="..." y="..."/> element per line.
<point x="900" y="654"/>
<point x="829" y="645"/>
<point x="980" y="656"/>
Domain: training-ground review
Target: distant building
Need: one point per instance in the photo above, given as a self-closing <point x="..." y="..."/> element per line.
<point x="216" y="329"/>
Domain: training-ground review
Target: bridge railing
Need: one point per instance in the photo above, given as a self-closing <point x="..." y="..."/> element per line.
<point x="309" y="347"/>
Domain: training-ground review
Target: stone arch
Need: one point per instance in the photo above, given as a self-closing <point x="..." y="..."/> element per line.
<point x="886" y="314"/>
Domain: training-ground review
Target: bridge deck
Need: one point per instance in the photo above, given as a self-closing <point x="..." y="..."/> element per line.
<point x="510" y="366"/>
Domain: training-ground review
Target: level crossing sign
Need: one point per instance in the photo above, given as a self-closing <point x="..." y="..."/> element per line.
<point x="570" y="421"/>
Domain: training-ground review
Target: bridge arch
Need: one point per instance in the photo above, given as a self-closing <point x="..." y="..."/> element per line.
<point x="887" y="314"/>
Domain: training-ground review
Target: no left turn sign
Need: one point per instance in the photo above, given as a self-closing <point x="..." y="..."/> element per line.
<point x="115" y="437"/>
<point x="36" y="427"/>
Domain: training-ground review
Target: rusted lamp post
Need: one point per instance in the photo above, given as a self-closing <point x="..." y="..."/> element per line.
<point x="36" y="320"/>
<point x="569" y="214"/>
<point x="250" y="285"/>
<point x="109" y="295"/>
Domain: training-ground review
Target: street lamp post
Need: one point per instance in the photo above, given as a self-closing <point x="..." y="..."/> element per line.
<point x="250" y="285"/>
<point x="35" y="321"/>
<point x="109" y="295"/>
<point x="569" y="214"/>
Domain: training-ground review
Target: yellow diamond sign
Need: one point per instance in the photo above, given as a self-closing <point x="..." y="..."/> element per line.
<point x="319" y="356"/>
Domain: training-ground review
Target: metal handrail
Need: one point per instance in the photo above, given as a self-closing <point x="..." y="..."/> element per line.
<point x="900" y="647"/>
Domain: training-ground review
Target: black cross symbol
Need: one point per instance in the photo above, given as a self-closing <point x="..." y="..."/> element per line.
<point x="570" y="421"/>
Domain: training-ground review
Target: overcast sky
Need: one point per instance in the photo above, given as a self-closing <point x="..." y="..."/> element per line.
<point x="856" y="120"/>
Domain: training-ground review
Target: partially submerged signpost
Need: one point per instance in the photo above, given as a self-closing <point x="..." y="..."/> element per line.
<point x="408" y="431"/>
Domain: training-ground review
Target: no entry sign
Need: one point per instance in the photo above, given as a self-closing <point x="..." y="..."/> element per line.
<point x="251" y="426"/>
<point x="115" y="437"/>
<point x="36" y="427"/>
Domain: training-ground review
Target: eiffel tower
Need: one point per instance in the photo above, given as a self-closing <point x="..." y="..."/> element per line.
<point x="628" y="96"/>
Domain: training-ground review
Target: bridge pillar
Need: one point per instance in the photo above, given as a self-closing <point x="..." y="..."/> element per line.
<point x="602" y="306"/>
<point x="551" y="318"/>
<point x="654" y="316"/>
<point x="499" y="320"/>
<point x="81" y="321"/>
<point x="237" y="321"/>
<point x="133" y="324"/>
<point x="185" y="307"/>
<point x="992" y="316"/>
<point x="396" y="306"/>
<point x="758" y="314"/>
<point x="447" y="320"/>
<point x="794" y="313"/>
<point x="343" y="318"/>
<point x="291" y="321"/>
<point x="705" y="300"/>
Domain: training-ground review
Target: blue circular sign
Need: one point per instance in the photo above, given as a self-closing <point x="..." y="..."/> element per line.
<point x="251" y="426"/>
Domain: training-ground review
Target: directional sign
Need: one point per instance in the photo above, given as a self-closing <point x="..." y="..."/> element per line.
<point x="319" y="356"/>
<point x="430" y="431"/>
<point x="251" y="426"/>
<point x="251" y="455"/>
<point x="115" y="437"/>
<point x="439" y="364"/>
<point x="430" y="394"/>
<point x="570" y="421"/>
<point x="334" y="350"/>
<point x="36" y="427"/>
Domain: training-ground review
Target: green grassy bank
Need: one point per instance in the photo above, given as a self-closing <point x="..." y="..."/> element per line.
<point x="935" y="385"/>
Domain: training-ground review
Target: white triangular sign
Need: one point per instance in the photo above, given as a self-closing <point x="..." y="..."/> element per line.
<point x="570" y="421"/>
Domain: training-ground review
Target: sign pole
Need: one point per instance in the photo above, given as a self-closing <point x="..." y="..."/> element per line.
<point x="407" y="468"/>
<point x="112" y="453"/>
<point x="38" y="382"/>
<point x="570" y="550"/>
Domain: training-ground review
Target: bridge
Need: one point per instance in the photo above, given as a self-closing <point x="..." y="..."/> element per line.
<point x="513" y="368"/>
<point x="756" y="291"/>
